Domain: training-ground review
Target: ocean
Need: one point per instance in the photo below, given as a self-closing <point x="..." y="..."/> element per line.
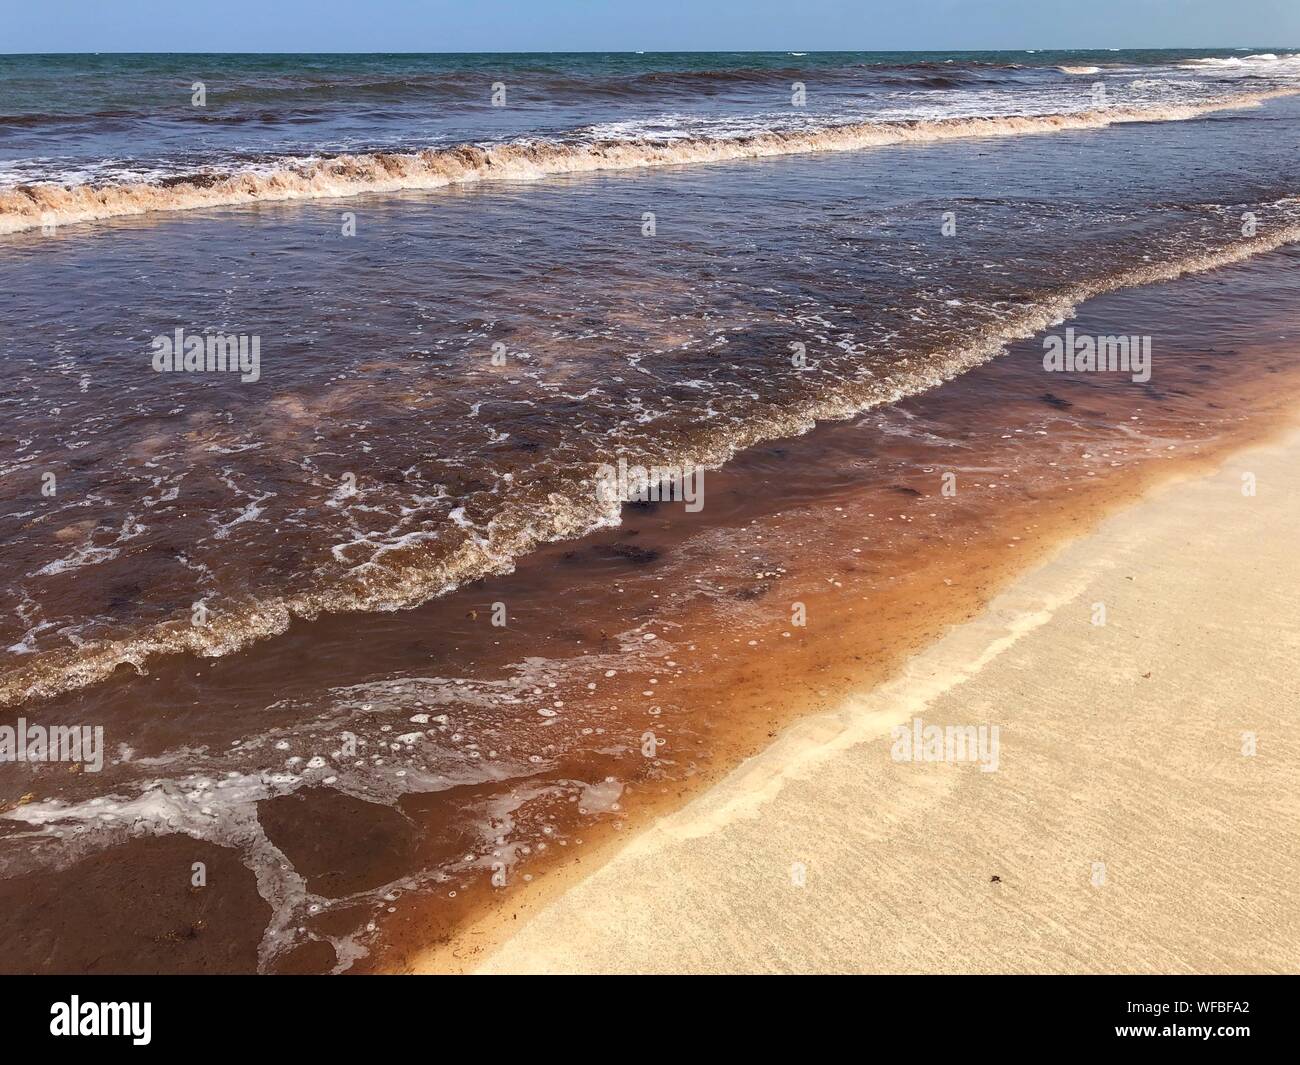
<point x="361" y="630"/>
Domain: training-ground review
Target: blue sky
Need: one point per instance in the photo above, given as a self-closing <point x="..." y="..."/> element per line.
<point x="629" y="25"/>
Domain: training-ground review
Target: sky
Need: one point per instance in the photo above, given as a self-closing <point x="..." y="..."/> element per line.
<point x="632" y="25"/>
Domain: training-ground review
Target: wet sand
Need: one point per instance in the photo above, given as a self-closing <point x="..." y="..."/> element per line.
<point x="850" y="521"/>
<point x="930" y="562"/>
<point x="1125" y="829"/>
<point x="365" y="645"/>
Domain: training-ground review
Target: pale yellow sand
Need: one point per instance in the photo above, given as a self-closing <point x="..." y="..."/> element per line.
<point x="1119" y="745"/>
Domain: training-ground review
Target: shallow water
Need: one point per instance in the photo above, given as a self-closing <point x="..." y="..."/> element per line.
<point x="382" y="460"/>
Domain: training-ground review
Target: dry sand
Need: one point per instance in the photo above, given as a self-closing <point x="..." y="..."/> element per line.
<point x="1119" y="744"/>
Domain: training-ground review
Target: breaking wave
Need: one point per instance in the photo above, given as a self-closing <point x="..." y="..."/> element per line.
<point x="417" y="577"/>
<point x="25" y="207"/>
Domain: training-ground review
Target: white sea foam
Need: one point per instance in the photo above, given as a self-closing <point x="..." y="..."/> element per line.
<point x="414" y="578"/>
<point x="33" y="206"/>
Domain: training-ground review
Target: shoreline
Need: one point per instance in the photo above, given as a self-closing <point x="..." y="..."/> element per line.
<point x="947" y="574"/>
<point x="674" y="623"/>
<point x="726" y="680"/>
<point x="913" y="599"/>
<point x="717" y="871"/>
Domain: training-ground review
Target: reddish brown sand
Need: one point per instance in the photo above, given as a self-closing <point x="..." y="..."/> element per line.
<point x="850" y="521"/>
<point x="1138" y="813"/>
<point x="873" y="603"/>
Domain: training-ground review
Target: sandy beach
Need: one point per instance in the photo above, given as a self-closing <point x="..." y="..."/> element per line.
<point x="1128" y="827"/>
<point x="627" y="489"/>
<point x="358" y="415"/>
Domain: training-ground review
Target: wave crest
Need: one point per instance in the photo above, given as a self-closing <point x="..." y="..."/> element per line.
<point x="412" y="579"/>
<point x="27" y="207"/>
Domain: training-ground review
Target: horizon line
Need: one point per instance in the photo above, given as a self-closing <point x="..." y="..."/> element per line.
<point x="677" y="51"/>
